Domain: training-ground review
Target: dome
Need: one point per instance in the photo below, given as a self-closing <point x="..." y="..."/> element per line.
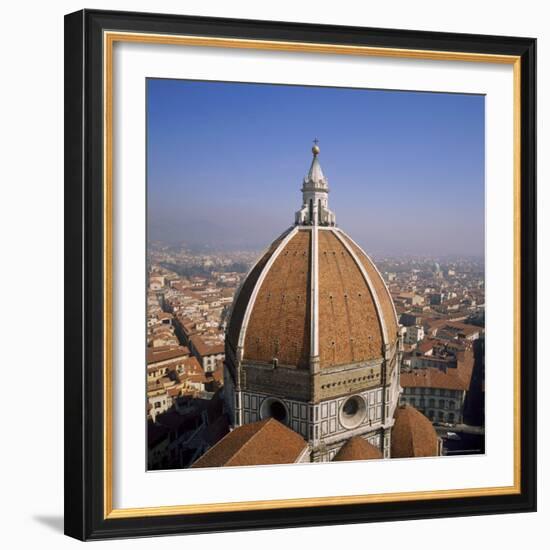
<point x="357" y="448"/>
<point x="314" y="295"/>
<point x="312" y="340"/>
<point x="413" y="435"/>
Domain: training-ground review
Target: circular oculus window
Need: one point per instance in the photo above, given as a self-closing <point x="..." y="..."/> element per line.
<point x="273" y="408"/>
<point x="353" y="412"/>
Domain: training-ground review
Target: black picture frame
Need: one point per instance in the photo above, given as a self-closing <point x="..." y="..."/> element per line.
<point x="84" y="282"/>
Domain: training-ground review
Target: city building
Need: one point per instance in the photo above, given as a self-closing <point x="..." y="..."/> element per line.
<point x="209" y="351"/>
<point x="437" y="385"/>
<point x="413" y="334"/>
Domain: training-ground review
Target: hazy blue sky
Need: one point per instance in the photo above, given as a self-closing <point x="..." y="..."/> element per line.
<point x="226" y="162"/>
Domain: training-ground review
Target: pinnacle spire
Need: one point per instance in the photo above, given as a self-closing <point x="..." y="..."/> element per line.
<point x="315" y="190"/>
<point x="315" y="173"/>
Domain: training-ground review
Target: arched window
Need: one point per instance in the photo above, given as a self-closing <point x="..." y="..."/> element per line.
<point x="319" y="211"/>
<point x="310" y="210"/>
<point x="441" y="403"/>
<point x="432" y="403"/>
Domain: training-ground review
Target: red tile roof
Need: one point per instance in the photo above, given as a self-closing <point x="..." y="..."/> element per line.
<point x="425" y="346"/>
<point x="204" y="348"/>
<point x="450" y="379"/>
<point x="164" y="353"/>
<point x="264" y="442"/>
<point x="464" y="328"/>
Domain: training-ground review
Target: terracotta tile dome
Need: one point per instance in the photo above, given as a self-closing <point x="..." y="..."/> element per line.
<point x="357" y="448"/>
<point x="313" y="295"/>
<point x="413" y="434"/>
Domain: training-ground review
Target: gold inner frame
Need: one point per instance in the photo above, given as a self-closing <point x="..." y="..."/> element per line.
<point x="109" y="39"/>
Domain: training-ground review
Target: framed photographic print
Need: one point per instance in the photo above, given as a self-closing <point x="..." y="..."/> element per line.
<point x="300" y="274"/>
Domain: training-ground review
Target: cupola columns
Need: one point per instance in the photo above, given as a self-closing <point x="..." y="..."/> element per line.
<point x="315" y="190"/>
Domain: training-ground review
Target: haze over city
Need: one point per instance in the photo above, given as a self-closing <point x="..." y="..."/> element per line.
<point x="225" y="164"/>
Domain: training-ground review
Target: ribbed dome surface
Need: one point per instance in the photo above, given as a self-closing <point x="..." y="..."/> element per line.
<point x="314" y="294"/>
